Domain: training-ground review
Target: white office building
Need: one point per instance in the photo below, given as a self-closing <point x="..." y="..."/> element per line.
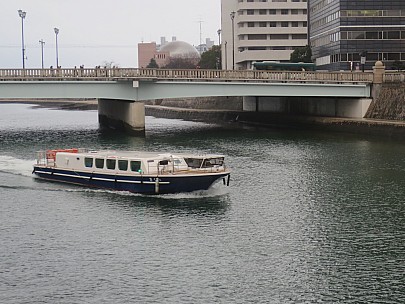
<point x="261" y="30"/>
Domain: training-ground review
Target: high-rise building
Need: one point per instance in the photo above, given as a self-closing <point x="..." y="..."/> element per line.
<point x="344" y="31"/>
<point x="261" y="30"/>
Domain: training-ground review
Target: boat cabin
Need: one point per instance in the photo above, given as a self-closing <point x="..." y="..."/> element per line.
<point x="131" y="162"/>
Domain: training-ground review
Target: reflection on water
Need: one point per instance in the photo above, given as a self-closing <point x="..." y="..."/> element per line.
<point x="308" y="217"/>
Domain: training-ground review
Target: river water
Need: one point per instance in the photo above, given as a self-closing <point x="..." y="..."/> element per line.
<point x="309" y="217"/>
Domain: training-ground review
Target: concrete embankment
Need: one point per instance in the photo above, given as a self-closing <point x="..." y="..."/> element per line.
<point x="208" y="109"/>
<point x="389" y="104"/>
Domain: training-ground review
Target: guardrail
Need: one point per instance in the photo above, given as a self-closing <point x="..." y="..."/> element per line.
<point x="113" y="74"/>
<point x="394" y="77"/>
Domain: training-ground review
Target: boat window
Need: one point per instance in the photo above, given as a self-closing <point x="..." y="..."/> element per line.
<point x="123" y="165"/>
<point x="111" y="164"/>
<point x="100" y="163"/>
<point x="207" y="163"/>
<point x="193" y="162"/>
<point x="217" y="161"/>
<point x="88" y="162"/>
<point x="213" y="162"/>
<point x="135" y="165"/>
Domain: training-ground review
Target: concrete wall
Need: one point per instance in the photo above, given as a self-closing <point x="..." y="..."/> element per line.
<point x="123" y="115"/>
<point x="315" y="106"/>
<point x="210" y="103"/>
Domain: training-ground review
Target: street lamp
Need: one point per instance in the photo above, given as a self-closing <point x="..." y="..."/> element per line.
<point x="42" y="42"/>
<point x="233" y="39"/>
<point x="219" y="36"/>
<point x="22" y="15"/>
<point x="226" y="55"/>
<point x="57" y="54"/>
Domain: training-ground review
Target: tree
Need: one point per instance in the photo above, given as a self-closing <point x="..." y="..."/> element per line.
<point x="301" y="54"/>
<point x="211" y="59"/>
<point x="110" y="64"/>
<point x="152" y="64"/>
<point x="181" y="63"/>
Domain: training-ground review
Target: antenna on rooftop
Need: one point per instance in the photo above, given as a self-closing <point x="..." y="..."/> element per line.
<point x="200" y="46"/>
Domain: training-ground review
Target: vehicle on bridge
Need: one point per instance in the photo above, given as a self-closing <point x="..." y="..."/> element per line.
<point x="284" y="66"/>
<point x="138" y="172"/>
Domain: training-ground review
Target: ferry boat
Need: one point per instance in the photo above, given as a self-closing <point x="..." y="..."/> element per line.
<point x="138" y="172"/>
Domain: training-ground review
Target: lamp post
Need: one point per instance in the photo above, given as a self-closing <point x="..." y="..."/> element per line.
<point x="56" y="30"/>
<point x="22" y="14"/>
<point x="42" y="42"/>
<point x="233" y="39"/>
<point x="219" y="63"/>
<point x="226" y="55"/>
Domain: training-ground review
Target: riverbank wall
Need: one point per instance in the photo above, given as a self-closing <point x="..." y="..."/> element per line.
<point x="389" y="104"/>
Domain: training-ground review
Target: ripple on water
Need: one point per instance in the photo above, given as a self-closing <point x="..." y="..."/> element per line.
<point x="308" y="217"/>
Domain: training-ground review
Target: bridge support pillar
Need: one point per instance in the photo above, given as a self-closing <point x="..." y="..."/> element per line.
<point x="309" y="106"/>
<point x="124" y="115"/>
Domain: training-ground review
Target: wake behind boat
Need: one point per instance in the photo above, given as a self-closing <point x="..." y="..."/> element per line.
<point x="138" y="172"/>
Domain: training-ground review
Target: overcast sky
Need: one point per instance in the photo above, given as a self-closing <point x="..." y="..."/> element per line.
<point x="95" y="31"/>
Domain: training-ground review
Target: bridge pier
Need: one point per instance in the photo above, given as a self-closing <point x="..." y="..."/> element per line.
<point x="124" y="115"/>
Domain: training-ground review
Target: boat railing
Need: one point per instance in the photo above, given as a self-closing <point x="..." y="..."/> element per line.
<point x="213" y="169"/>
<point x="41" y="158"/>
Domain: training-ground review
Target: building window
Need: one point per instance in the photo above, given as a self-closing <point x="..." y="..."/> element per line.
<point x="279" y="37"/>
<point x="250" y="12"/>
<point x="299" y="36"/>
<point x="257" y="37"/>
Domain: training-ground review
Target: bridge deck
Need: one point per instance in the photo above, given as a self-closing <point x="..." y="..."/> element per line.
<point x="125" y="74"/>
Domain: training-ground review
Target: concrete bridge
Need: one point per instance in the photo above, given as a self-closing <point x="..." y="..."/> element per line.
<point x="121" y="91"/>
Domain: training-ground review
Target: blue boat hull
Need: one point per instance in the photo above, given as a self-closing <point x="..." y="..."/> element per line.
<point x="138" y="184"/>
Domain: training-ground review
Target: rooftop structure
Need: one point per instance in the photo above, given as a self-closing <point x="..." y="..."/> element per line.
<point x="165" y="51"/>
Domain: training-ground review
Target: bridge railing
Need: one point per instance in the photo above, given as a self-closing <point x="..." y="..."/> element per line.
<point x="189" y="75"/>
<point x="394" y="77"/>
<point x="252" y="75"/>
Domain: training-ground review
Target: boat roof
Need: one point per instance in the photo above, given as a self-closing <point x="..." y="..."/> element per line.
<point x="145" y="155"/>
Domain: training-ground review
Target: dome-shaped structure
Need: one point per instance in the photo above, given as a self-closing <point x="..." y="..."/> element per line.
<point x="180" y="49"/>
